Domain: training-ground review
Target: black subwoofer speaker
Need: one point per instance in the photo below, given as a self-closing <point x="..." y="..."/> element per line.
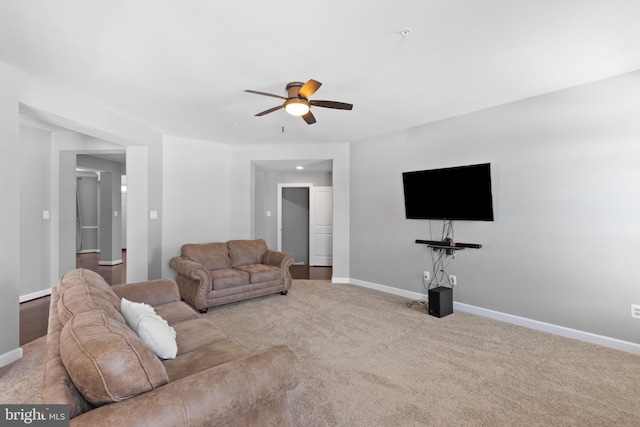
<point x="440" y="301"/>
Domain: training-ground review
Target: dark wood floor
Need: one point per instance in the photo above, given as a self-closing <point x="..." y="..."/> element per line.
<point x="113" y="274"/>
<point x="310" y="273"/>
<point x="34" y="314"/>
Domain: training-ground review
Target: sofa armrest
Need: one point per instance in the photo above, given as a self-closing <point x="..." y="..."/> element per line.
<point x="194" y="281"/>
<point x="152" y="292"/>
<point x="211" y="397"/>
<point x="187" y="267"/>
<point x="284" y="260"/>
<point x="277" y="258"/>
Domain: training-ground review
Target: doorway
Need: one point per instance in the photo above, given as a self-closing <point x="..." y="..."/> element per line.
<point x="295" y="223"/>
<point x="305" y="223"/>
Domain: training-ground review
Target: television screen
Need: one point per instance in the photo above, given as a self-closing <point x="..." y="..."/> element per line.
<point x="457" y="193"/>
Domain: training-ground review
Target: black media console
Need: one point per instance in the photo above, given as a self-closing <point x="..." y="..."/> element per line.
<point x="448" y="244"/>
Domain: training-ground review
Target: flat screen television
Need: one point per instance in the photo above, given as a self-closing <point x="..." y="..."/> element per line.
<point x="456" y="193"/>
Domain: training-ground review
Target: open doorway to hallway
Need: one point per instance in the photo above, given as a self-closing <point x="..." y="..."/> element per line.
<point x="302" y="185"/>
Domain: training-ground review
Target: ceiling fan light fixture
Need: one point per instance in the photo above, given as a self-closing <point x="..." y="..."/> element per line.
<point x="297" y="106"/>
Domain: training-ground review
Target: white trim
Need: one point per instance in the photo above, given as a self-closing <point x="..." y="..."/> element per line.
<point x="10" y="356"/>
<point x="562" y="331"/>
<point x="388" y="289"/>
<point x="35" y="295"/>
<point x="114" y="262"/>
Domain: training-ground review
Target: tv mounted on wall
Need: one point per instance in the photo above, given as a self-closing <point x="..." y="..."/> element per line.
<point x="456" y="193"/>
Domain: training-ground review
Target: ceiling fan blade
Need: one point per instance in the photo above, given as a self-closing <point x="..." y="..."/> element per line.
<point x="332" y="104"/>
<point x="270" y="110"/>
<point x="309" y="88"/>
<point x="309" y="118"/>
<point x="264" y="93"/>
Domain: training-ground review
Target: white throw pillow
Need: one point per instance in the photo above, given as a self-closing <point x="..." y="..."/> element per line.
<point x="152" y="329"/>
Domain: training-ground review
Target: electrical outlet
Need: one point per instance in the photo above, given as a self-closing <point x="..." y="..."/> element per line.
<point x="453" y="279"/>
<point x="426" y="275"/>
<point x="635" y="311"/>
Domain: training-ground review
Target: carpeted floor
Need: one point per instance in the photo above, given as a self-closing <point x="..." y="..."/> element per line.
<point x="369" y="360"/>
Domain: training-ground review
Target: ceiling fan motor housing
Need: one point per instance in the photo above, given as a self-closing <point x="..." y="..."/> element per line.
<point x="293" y="90"/>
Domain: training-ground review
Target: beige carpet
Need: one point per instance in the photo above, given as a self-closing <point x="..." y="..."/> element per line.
<point x="369" y="360"/>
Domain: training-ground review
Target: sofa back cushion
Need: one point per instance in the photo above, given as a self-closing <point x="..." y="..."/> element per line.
<point x="213" y="256"/>
<point x="83" y="277"/>
<point x="83" y="290"/>
<point x="106" y="360"/>
<point x="57" y="387"/>
<point x="247" y="252"/>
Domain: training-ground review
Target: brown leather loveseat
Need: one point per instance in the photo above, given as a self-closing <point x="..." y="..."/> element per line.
<point x="211" y="274"/>
<point x="99" y="366"/>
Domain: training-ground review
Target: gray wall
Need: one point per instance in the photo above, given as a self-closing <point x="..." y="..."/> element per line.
<point x="35" y="196"/>
<point x="9" y="218"/>
<point x="196" y="194"/>
<point x="563" y="247"/>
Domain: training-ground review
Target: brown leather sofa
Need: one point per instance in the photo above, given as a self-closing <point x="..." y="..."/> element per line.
<point x="96" y="364"/>
<point x="211" y="274"/>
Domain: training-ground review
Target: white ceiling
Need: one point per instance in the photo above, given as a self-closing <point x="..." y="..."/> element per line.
<point x="181" y="66"/>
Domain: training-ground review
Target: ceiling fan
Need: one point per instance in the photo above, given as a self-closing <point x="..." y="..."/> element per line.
<point x="297" y="102"/>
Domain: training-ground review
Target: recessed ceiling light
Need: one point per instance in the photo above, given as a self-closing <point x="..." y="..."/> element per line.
<point x="299" y="167"/>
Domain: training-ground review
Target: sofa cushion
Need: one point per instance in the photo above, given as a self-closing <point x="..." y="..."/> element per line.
<point x="260" y="273"/>
<point x="83" y="297"/>
<point x="152" y="329"/>
<point x="246" y="252"/>
<point x="228" y="278"/>
<point x="87" y="278"/>
<point x="211" y="255"/>
<point x="175" y="312"/>
<point x="106" y="360"/>
<point x="197" y="333"/>
<point x="204" y="357"/>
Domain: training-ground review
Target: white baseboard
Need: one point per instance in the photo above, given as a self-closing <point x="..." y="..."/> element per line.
<point x="35" y="295"/>
<point x="601" y="340"/>
<point x="562" y="331"/>
<point x="114" y="262"/>
<point x="10" y="356"/>
<point x="387" y="289"/>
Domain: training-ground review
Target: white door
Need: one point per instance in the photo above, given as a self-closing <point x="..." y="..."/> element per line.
<point x="321" y="226"/>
